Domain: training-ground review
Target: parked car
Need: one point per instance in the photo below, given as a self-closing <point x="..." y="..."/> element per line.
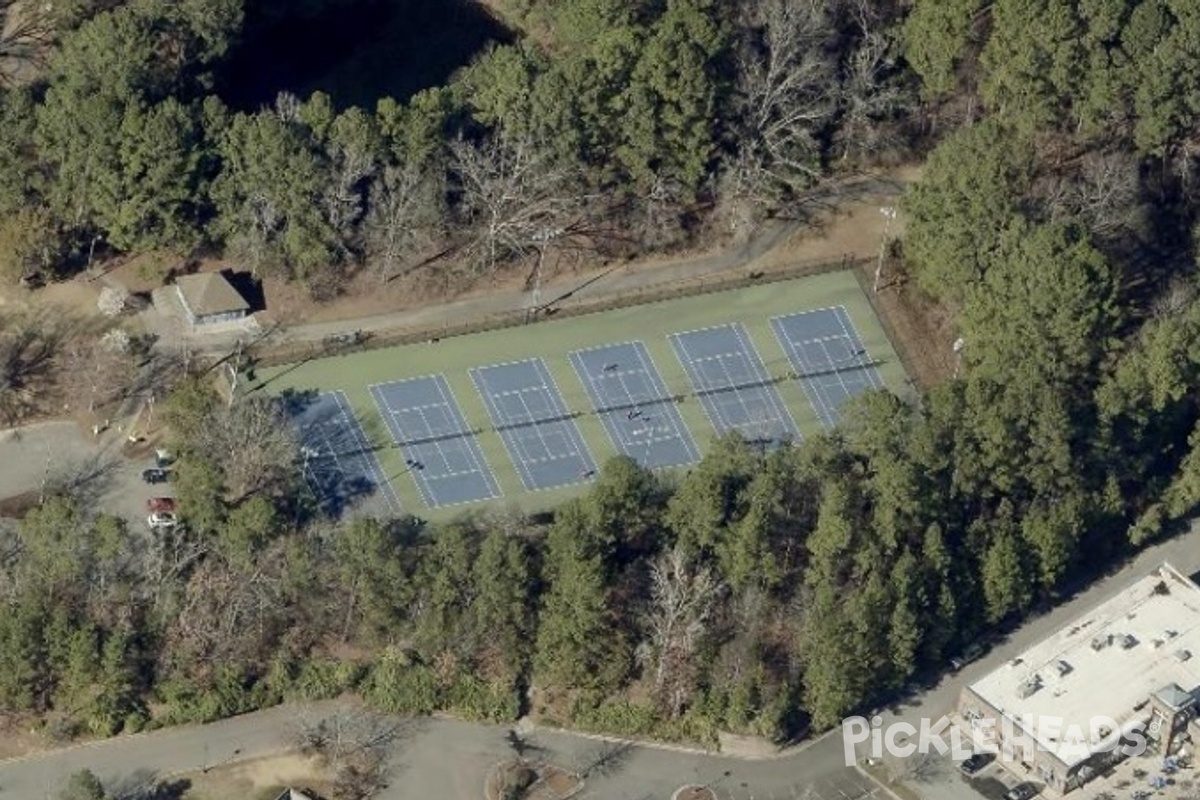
<point x="162" y="519"/>
<point x="1022" y="791"/>
<point x="156" y="504"/>
<point x="974" y="763"/>
<point x="163" y="459"/>
<point x="972" y="653"/>
<point x="155" y="475"/>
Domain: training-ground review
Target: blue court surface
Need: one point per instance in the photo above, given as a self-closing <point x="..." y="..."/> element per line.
<point x="338" y="461"/>
<point x="440" y="450"/>
<point x="632" y="401"/>
<point x="537" y="430"/>
<point x="829" y="358"/>
<point x="734" y="387"/>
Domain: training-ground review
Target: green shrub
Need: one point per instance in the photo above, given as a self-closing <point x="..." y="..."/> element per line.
<point x="398" y="684"/>
<point x="479" y="700"/>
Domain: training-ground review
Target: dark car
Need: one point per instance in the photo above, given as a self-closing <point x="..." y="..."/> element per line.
<point x="1022" y="791"/>
<point x="974" y="763"/>
<point x="155" y="475"/>
<point x="969" y="655"/>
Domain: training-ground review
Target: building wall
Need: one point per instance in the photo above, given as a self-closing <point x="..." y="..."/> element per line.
<point x="1023" y="758"/>
<point x="1033" y="763"/>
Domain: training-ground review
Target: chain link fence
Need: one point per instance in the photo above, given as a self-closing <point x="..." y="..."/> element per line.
<point x="566" y="305"/>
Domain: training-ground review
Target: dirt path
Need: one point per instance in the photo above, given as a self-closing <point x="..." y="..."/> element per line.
<point x="844" y="220"/>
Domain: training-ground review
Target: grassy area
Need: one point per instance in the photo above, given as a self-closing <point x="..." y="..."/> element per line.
<point x="651" y="323"/>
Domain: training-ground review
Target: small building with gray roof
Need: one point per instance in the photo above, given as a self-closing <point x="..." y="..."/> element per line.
<point x="208" y="298"/>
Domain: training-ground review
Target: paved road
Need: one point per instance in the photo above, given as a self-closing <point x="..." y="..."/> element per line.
<point x="447" y="759"/>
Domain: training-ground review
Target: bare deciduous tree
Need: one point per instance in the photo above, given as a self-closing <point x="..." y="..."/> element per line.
<point x="870" y="96"/>
<point x="1102" y="194"/>
<point x="515" y="195"/>
<point x="353" y="744"/>
<point x="787" y="90"/>
<point x="261" y="222"/>
<point x="352" y="161"/>
<point x="253" y="444"/>
<point x="682" y="598"/>
<point x="407" y="208"/>
<point x="93" y="369"/>
<point x="26" y="33"/>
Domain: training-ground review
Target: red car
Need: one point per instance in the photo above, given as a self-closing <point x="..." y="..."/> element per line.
<point x="157" y="505"/>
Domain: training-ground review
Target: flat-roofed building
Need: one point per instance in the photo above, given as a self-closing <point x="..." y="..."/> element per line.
<point x="1130" y="660"/>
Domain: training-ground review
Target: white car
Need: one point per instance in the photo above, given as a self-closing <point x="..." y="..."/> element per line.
<point x="162" y="519"/>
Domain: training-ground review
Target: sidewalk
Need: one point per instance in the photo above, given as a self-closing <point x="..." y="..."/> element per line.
<point x="611" y="281"/>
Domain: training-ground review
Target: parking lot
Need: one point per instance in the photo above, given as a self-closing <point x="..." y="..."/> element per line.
<point x="95" y="470"/>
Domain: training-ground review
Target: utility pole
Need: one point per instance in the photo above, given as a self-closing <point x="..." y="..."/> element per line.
<point x="889" y="214"/>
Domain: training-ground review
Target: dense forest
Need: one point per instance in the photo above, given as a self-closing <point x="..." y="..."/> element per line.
<point x="764" y="593"/>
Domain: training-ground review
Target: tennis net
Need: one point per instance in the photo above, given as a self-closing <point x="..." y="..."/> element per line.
<point x="441" y="437"/>
<point x="530" y="423"/>
<point x="836" y="369"/>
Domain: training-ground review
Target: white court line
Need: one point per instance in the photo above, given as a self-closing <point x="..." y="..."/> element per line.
<point x="614" y="345"/>
<point x="592" y="391"/>
<point x="392" y="423"/>
<point x="837" y="374"/>
<point x="647" y="362"/>
<point x="612" y="428"/>
<point x="842" y="319"/>
<point x="581" y="448"/>
<point x="823" y="385"/>
<point x="479" y="378"/>
<point x="481" y="463"/>
<point x="681" y="352"/>
<point x="824" y="405"/>
<point x="768" y="389"/>
<point x="736" y="392"/>
<point x="401" y="381"/>
<point x="796" y="356"/>
<point x="372" y="463"/>
<point x="535" y="426"/>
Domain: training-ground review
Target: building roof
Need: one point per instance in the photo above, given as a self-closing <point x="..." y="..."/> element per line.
<point x="293" y="794"/>
<point x="1110" y="662"/>
<point x="209" y="293"/>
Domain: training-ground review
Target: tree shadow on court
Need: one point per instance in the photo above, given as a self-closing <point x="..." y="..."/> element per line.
<point x="326" y="444"/>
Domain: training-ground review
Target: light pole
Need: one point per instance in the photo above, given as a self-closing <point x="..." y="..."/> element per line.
<point x="889" y="214"/>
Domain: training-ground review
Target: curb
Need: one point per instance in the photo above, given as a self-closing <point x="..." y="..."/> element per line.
<point x="651" y="744"/>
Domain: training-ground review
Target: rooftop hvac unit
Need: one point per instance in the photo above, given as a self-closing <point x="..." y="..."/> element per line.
<point x="1101" y="642"/>
<point x="1183" y="655"/>
<point x="1061" y="667"/>
<point x="1029" y="686"/>
<point x="1127" y="641"/>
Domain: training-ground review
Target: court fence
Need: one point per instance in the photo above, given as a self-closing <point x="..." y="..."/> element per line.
<point x="864" y="272"/>
<point x="267" y="354"/>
